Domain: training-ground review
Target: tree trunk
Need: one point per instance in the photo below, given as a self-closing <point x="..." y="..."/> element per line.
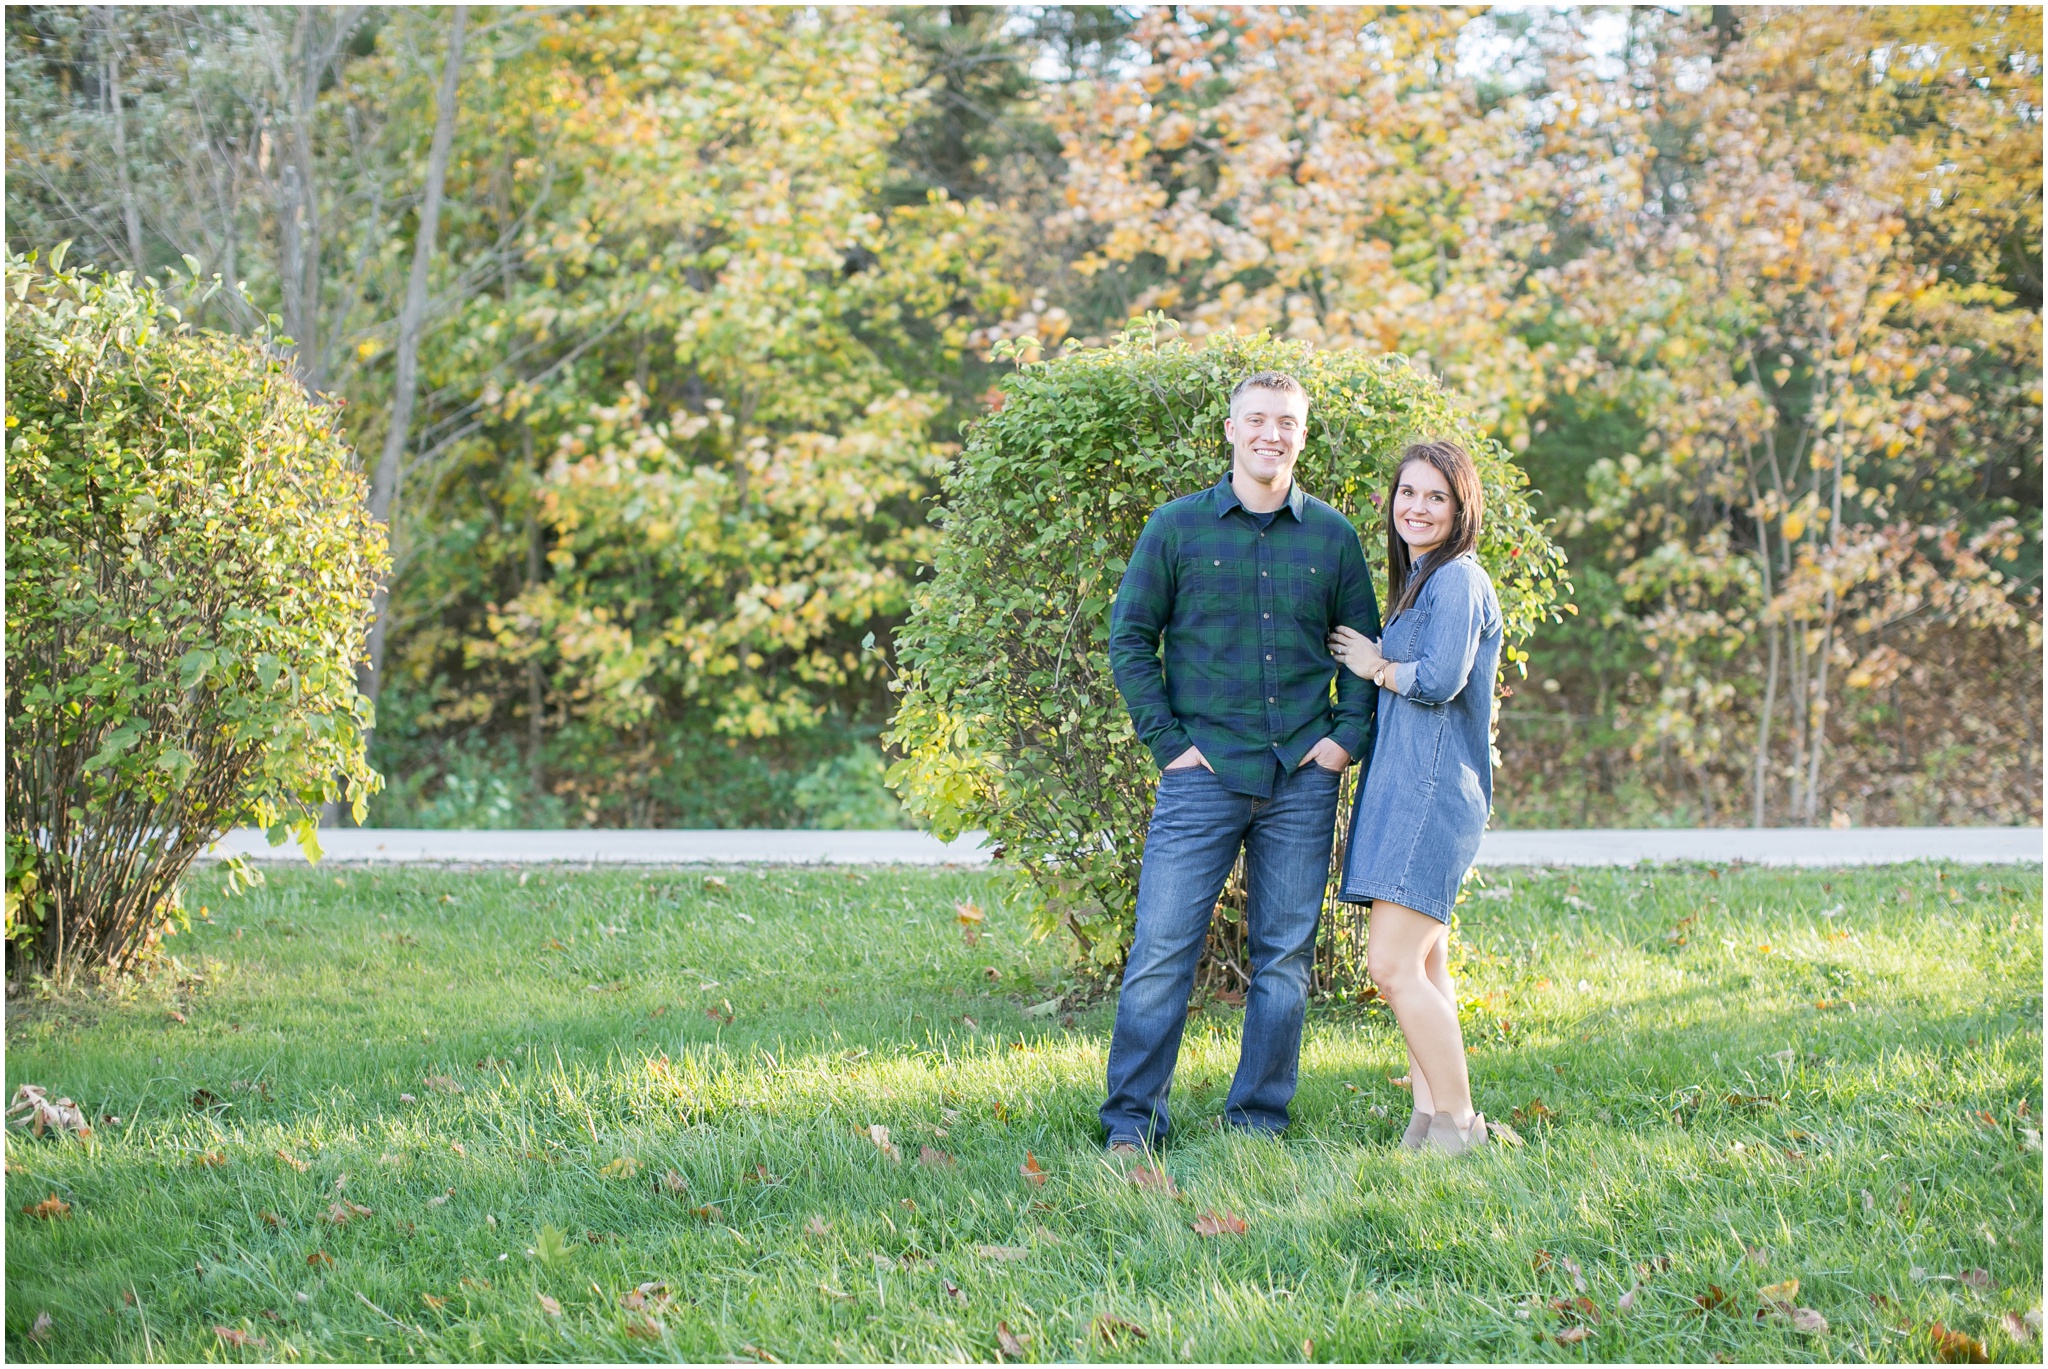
<point x="411" y="319"/>
<point x="1761" y="778"/>
<point x="131" y="218"/>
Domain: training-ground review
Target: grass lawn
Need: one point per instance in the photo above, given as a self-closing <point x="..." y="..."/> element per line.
<point x="438" y="1115"/>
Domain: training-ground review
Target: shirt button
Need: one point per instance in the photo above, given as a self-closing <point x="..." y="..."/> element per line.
<point x="1265" y="615"/>
<point x="1218" y="563"/>
<point x="1262" y="575"/>
<point x="1271" y="699"/>
<point x="1269" y="655"/>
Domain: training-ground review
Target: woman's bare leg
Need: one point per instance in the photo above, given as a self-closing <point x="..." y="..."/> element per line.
<point x="1400" y="943"/>
<point x="1436" y="967"/>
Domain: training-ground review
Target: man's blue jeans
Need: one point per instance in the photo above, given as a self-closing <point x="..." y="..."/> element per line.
<point x="1197" y="828"/>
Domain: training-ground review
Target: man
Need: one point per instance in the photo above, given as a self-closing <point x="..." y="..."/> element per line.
<point x="1244" y="582"/>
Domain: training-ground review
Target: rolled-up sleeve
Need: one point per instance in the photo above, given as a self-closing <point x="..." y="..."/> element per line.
<point x="1448" y="641"/>
<point x="1137" y="621"/>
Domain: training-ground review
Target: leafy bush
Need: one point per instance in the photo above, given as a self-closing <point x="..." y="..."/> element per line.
<point x="189" y="569"/>
<point x="1010" y="721"/>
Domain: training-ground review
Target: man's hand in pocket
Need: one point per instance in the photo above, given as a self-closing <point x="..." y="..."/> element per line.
<point x="1193" y="756"/>
<point x="1328" y="755"/>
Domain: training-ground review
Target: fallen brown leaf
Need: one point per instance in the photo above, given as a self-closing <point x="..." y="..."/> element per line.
<point x="817" y="1226"/>
<point x="1153" y="1180"/>
<point x="674" y="1182"/>
<point x="953" y="1292"/>
<point x="433" y="1302"/>
<point x="1780" y="1292"/>
<point x="233" y="1337"/>
<point x="38" y="1112"/>
<point x="643" y="1327"/>
<point x="1712" y="1299"/>
<point x="1976" y="1278"/>
<point x="1225" y="1223"/>
<point x="1571" y="1267"/>
<point x="1113" y="1329"/>
<point x="710" y="1212"/>
<point x="1808" y="1321"/>
<point x="1573" y="1334"/>
<point x="2016" y="1327"/>
<point x="318" y="1258"/>
<point x="40" y="1332"/>
<point x="1034" y="1174"/>
<point x="549" y="1305"/>
<point x="879" y="1136"/>
<point x="1536" y="1111"/>
<point x="1404" y="1082"/>
<point x="648" y="1297"/>
<point x="1008" y="1345"/>
<point x="212" y="1159"/>
<point x="442" y="1083"/>
<point x="49" y="1209"/>
<point x="1627" y="1303"/>
<point x="1502" y="1132"/>
<point x="1953" y="1347"/>
<point x="177" y="1017"/>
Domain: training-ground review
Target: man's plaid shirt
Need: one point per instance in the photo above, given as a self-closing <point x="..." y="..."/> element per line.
<point x="1245" y="614"/>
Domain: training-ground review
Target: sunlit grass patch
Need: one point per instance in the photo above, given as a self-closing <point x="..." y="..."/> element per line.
<point x="469" y="1116"/>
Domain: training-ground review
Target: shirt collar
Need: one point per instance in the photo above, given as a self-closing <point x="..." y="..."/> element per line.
<point x="1226" y="499"/>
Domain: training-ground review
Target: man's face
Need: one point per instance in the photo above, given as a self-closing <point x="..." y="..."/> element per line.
<point x="1266" y="429"/>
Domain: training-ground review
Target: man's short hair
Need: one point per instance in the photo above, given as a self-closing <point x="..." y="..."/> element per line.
<point x="1268" y="380"/>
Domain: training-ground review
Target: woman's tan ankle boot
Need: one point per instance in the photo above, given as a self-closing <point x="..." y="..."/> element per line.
<point x="1418" y="1127"/>
<point x="1447" y="1138"/>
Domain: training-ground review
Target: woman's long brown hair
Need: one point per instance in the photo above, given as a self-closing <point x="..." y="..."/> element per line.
<point x="1454" y="463"/>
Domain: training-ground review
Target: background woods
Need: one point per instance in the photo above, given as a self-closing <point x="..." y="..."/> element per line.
<point x="664" y="381"/>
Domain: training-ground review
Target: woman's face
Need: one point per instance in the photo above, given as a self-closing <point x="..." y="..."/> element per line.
<point x="1423" y="507"/>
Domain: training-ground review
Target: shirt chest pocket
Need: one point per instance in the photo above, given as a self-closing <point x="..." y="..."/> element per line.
<point x="1215" y="581"/>
<point x="1307" y="592"/>
<point x="1402" y="635"/>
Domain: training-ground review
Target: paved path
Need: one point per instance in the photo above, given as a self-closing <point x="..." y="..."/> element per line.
<point x="1718" y="845"/>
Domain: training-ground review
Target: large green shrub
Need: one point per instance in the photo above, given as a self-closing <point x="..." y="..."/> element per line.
<point x="1010" y="721"/>
<point x="189" y="568"/>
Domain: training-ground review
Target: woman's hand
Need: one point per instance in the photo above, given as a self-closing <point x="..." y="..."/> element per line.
<point x="1355" y="651"/>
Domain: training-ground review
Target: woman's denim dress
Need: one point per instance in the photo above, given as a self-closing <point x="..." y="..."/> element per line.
<point x="1429" y="788"/>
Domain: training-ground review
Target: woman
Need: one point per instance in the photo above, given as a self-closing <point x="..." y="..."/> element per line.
<point x="1430" y="787"/>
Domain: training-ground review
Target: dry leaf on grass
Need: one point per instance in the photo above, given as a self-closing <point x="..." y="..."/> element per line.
<point x="2016" y="1327"/>
<point x="319" y="1258"/>
<point x="1571" y="1267"/>
<point x="625" y="1167"/>
<point x="1573" y="1334"/>
<point x="38" y="1112"/>
<point x="1627" y="1303"/>
<point x="1536" y="1111"/>
<point x="1504" y="1133"/>
<point x="953" y="1292"/>
<point x="1712" y="1299"/>
<point x="643" y="1327"/>
<point x="49" y="1209"/>
<point x="674" y="1182"/>
<point x="1780" y="1293"/>
<point x="1008" y="1344"/>
<point x="1953" y="1347"/>
<point x="176" y="1017"/>
<point x="231" y="1336"/>
<point x="1225" y="1223"/>
<point x="1808" y="1321"/>
<point x="1002" y="1252"/>
<point x="433" y="1302"/>
<point x="1114" y="1329"/>
<point x="1404" y="1082"/>
<point x="817" y="1226"/>
<point x="441" y="1083"/>
<point x="341" y="1214"/>
<point x="648" y="1297"/>
<point x="40" y="1332"/>
<point x="710" y="1212"/>
<point x="1153" y="1180"/>
<point x="549" y="1305"/>
<point x="1033" y="1172"/>
<point x="210" y="1159"/>
<point x="294" y="1161"/>
<point x="1976" y="1278"/>
<point x="933" y="1158"/>
<point x="879" y="1135"/>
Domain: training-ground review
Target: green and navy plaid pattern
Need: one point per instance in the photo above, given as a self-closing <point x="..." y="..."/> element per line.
<point x="1244" y="614"/>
